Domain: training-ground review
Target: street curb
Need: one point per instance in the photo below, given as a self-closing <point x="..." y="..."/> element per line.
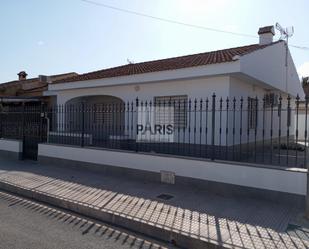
<point x="177" y="238"/>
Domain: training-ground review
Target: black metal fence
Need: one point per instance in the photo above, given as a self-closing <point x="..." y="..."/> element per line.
<point x="24" y="122"/>
<point x="271" y="130"/>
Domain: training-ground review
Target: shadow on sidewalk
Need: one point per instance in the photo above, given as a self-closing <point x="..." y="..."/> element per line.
<point x="220" y="218"/>
<point x="85" y="226"/>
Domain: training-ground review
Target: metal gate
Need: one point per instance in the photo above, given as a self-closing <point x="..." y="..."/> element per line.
<point x="34" y="130"/>
<point x="26" y="122"/>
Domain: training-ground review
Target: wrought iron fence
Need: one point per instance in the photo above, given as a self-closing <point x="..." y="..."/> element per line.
<point x="19" y="121"/>
<point x="271" y="130"/>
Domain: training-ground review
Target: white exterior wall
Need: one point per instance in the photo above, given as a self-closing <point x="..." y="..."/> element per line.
<point x="288" y="181"/>
<point x="268" y="65"/>
<point x="193" y="88"/>
<point x="242" y="88"/>
<point x="200" y="88"/>
<point x="300" y="124"/>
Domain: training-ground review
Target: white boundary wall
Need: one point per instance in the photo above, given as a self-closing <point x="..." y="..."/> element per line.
<point x="11" y="145"/>
<point x="289" y="181"/>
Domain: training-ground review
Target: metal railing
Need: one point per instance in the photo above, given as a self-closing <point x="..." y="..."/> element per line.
<point x="271" y="131"/>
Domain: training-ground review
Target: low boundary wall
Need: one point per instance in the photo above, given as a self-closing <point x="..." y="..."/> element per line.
<point x="272" y="183"/>
<point x="10" y="148"/>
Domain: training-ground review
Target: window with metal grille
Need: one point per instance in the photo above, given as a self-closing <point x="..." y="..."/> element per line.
<point x="177" y="105"/>
<point x="252" y="113"/>
<point x="271" y="100"/>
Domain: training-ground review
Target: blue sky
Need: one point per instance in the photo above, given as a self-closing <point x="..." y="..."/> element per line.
<point x="56" y="36"/>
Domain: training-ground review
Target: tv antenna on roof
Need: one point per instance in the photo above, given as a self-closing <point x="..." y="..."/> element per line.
<point x="285" y="34"/>
<point x="130" y="61"/>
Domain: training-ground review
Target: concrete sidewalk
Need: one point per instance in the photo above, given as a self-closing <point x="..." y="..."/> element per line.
<point x="192" y="218"/>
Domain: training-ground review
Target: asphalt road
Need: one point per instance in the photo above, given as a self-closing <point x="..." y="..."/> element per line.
<point x="27" y="224"/>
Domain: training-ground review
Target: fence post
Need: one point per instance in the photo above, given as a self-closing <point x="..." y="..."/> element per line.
<point x="1" y="118"/>
<point x="213" y="124"/>
<point x="41" y="121"/>
<point x="23" y="129"/>
<point x="83" y="124"/>
<point x="136" y="142"/>
<point x="23" y="121"/>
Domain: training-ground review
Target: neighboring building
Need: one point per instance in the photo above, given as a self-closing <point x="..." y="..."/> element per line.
<point x="256" y="70"/>
<point x="23" y="88"/>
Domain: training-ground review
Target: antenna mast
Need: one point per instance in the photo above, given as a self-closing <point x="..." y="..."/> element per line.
<point x="285" y="34"/>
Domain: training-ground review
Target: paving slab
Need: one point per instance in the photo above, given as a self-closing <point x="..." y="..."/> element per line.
<point x="192" y="218"/>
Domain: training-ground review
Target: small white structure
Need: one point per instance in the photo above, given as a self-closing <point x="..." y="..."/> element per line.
<point x="249" y="71"/>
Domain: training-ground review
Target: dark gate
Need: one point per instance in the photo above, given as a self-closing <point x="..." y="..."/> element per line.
<point x="34" y="130"/>
<point x="26" y="122"/>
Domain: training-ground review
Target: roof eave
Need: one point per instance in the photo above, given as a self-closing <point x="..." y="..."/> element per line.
<point x="168" y="75"/>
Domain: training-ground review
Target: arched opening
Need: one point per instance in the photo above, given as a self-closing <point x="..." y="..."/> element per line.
<point x="95" y="100"/>
<point x="97" y="118"/>
<point x="101" y="115"/>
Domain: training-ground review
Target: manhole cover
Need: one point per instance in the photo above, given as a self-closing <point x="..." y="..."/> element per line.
<point x="165" y="196"/>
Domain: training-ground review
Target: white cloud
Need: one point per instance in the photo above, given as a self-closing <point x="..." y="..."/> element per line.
<point x="303" y="70"/>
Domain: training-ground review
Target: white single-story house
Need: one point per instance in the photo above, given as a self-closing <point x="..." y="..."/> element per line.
<point x="260" y="71"/>
<point x="237" y="107"/>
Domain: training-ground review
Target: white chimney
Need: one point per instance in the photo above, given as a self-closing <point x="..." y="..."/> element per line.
<point x="266" y="35"/>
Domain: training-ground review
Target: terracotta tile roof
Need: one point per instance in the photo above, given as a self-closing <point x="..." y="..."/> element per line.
<point x="55" y="77"/>
<point x="17" y="82"/>
<point x="214" y="57"/>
